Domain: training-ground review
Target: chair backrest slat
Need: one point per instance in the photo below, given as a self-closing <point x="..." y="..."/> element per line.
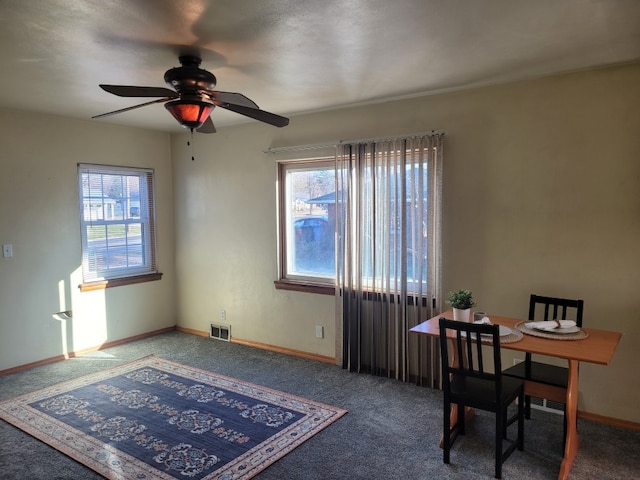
<point x="469" y="349"/>
<point x="478" y="344"/>
<point x="567" y="307"/>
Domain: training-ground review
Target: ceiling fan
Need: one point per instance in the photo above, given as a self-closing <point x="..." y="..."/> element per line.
<point x="193" y="98"/>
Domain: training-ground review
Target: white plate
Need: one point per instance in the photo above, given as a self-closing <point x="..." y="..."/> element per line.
<point x="552" y="329"/>
<point x="504" y="331"/>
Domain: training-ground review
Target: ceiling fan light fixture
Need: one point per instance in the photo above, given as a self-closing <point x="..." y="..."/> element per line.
<point x="190" y="113"/>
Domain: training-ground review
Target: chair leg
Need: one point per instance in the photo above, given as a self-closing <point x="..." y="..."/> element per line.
<point x="505" y="426"/>
<point x="446" y="432"/>
<point x="527" y="411"/>
<point x="521" y="424"/>
<point x="501" y="426"/>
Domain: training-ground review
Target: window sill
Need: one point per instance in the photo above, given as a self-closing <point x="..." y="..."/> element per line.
<point x="305" y="287"/>
<point x="331" y="290"/>
<point x="118" y="282"/>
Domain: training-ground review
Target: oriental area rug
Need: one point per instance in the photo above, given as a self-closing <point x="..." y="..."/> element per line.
<point x="156" y="419"/>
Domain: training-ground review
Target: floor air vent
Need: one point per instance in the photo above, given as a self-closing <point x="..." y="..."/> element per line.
<point x="547" y="405"/>
<point x="220" y="332"/>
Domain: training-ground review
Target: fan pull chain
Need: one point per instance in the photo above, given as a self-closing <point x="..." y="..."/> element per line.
<point x="190" y="145"/>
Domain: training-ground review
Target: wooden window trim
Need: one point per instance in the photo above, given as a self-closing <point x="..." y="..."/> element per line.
<point x="118" y="282"/>
<point x="331" y="290"/>
<point x="307" y="287"/>
<point x="295" y="283"/>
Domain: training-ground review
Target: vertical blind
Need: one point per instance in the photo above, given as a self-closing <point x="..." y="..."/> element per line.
<point x="388" y="253"/>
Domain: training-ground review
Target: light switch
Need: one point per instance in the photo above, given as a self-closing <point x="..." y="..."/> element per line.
<point x="7" y="250"/>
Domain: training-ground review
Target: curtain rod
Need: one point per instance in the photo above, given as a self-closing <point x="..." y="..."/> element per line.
<point x="298" y="148"/>
<point x="395" y="137"/>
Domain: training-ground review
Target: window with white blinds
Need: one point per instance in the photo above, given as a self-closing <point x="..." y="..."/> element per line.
<point x="117" y="222"/>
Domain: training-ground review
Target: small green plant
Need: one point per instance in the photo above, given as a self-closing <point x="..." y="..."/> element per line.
<point x="461" y="299"/>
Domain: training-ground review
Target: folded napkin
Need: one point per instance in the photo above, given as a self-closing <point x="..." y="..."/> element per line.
<point x="551" y="324"/>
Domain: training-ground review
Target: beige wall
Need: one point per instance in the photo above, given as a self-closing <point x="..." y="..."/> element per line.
<point x="541" y="195"/>
<point x="39" y="216"/>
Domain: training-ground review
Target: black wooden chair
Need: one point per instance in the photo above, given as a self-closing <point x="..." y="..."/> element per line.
<point x="471" y="381"/>
<point x="547" y="309"/>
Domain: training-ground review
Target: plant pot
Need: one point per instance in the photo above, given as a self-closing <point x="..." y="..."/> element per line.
<point x="462" y="315"/>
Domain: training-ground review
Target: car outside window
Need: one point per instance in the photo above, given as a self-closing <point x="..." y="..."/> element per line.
<point x="307" y="212"/>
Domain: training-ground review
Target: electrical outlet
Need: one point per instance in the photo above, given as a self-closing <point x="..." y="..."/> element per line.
<point x="223" y="314"/>
<point x="7" y="250"/>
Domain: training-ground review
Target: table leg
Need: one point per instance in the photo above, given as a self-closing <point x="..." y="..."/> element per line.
<point x="469" y="414"/>
<point x="571" y="445"/>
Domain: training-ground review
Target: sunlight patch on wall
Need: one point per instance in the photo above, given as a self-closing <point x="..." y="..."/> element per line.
<point x="89" y="323"/>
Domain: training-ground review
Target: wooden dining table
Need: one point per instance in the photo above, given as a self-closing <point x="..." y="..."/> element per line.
<point x="598" y="347"/>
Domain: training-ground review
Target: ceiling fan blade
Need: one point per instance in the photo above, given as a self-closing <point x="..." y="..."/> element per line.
<point x="232" y="98"/>
<point x="207" y="127"/>
<point x="133" y="91"/>
<point x="258" y="114"/>
<point x="160" y="100"/>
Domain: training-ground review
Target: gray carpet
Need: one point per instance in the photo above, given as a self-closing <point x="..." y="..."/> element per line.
<point x="391" y="431"/>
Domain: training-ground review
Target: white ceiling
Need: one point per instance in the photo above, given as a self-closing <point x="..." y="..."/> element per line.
<point x="295" y="56"/>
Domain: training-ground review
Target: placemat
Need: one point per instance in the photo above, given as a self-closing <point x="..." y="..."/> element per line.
<point x="514" y="336"/>
<point x="554" y="336"/>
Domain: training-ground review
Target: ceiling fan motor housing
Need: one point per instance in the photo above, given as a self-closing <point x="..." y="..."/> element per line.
<point x="190" y="78"/>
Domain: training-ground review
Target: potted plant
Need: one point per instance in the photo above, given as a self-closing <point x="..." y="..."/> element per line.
<point x="461" y="301"/>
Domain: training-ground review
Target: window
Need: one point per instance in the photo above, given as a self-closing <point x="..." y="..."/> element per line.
<point x="382" y="221"/>
<point x="307" y="228"/>
<point x="117" y="225"/>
